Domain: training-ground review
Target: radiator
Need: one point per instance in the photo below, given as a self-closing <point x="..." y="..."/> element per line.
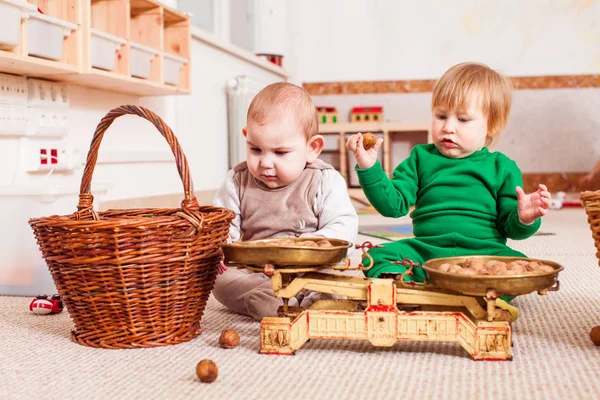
<point x="240" y="92"/>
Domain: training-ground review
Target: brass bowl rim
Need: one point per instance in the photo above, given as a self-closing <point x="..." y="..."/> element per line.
<point x="557" y="267"/>
<point x="343" y="244"/>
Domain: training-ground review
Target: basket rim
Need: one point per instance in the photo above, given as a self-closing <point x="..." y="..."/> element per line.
<point x="134" y="221"/>
<point x="590" y="195"/>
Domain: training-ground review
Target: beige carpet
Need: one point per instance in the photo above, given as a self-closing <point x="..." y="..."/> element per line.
<point x="553" y="357"/>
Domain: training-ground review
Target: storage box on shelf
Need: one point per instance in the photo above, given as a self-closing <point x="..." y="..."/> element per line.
<point x="46" y="36"/>
<point x="11" y="14"/>
<point x="173" y="68"/>
<point x="137" y="47"/>
<point x="105" y="50"/>
<point x="145" y="62"/>
<point x="53" y="32"/>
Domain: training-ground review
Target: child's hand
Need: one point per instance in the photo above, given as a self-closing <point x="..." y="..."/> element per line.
<point x="532" y="206"/>
<point x="222" y="268"/>
<point x="310" y="235"/>
<point x="364" y="158"/>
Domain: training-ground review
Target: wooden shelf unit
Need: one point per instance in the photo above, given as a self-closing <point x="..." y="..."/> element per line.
<point x="18" y="61"/>
<point x="388" y="129"/>
<point x="146" y="22"/>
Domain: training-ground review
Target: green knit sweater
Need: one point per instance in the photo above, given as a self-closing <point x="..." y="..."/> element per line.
<point x="473" y="196"/>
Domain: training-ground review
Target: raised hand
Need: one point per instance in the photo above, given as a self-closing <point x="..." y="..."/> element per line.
<point x="364" y="158"/>
<point x="532" y="206"/>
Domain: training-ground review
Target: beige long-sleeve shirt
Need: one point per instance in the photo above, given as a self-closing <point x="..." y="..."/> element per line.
<point x="316" y="203"/>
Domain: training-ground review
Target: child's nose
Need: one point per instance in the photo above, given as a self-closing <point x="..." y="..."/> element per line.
<point x="266" y="162"/>
<point x="449" y="126"/>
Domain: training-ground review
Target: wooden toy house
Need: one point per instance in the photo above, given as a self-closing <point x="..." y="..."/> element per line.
<point x="366" y="114"/>
<point x="327" y="115"/>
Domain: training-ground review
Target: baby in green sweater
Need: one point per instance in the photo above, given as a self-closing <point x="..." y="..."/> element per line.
<point x="467" y="200"/>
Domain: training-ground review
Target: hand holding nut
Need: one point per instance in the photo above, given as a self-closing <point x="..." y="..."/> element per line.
<point x="369" y="140"/>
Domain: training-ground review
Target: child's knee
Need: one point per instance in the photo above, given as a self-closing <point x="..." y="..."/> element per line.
<point x="262" y="303"/>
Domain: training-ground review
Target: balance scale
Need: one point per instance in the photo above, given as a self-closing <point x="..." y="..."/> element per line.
<point x="384" y="310"/>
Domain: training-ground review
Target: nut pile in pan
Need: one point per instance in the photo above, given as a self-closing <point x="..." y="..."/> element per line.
<point x="477" y="266"/>
<point x="292" y="243"/>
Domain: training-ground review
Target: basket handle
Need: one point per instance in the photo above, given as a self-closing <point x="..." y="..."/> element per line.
<point x="189" y="205"/>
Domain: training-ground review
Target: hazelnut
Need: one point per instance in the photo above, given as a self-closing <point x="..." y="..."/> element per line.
<point x="207" y="371"/>
<point x="229" y="339"/>
<point x="369" y="141"/>
<point x="324" y="243"/>
<point x="595" y="335"/>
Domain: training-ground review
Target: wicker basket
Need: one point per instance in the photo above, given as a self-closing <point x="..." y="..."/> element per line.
<point x="591" y="202"/>
<point x="134" y="277"/>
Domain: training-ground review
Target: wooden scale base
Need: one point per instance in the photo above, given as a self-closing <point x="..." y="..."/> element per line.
<point x="383" y="311"/>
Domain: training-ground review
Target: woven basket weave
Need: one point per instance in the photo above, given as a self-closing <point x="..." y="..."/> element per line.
<point x="134" y="277"/>
<point x="591" y="202"/>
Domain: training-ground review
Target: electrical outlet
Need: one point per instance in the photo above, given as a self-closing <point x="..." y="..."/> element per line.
<point x="46" y="121"/>
<point x="46" y="155"/>
<point x="13" y="89"/>
<point x="42" y="93"/>
<point x="13" y="120"/>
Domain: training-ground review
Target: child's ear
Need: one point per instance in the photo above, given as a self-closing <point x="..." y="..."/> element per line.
<point x="244" y="131"/>
<point x="315" y="146"/>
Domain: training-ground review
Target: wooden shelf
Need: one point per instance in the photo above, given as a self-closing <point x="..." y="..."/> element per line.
<point x="114" y="82"/>
<point x="388" y="129"/>
<point x="354" y="127"/>
<point x="145" y="22"/>
<point x="31" y="66"/>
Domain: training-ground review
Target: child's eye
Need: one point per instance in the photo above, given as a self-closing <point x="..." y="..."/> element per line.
<point x="281" y="153"/>
<point x="463" y="119"/>
<point x="441" y="116"/>
<point x="255" y="149"/>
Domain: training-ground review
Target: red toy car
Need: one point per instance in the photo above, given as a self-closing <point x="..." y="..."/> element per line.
<point x="44" y="305"/>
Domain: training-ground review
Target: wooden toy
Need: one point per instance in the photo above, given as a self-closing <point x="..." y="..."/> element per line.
<point x="366" y="114"/>
<point x="387" y="309"/>
<point x="327" y="115"/>
<point x="43" y="305"/>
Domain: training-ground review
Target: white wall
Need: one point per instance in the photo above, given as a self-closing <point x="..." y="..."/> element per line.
<point x="352" y="40"/>
<point x="241" y="20"/>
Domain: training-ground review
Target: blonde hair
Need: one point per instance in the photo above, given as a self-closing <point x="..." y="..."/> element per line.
<point x="454" y="87"/>
<point x="281" y="100"/>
